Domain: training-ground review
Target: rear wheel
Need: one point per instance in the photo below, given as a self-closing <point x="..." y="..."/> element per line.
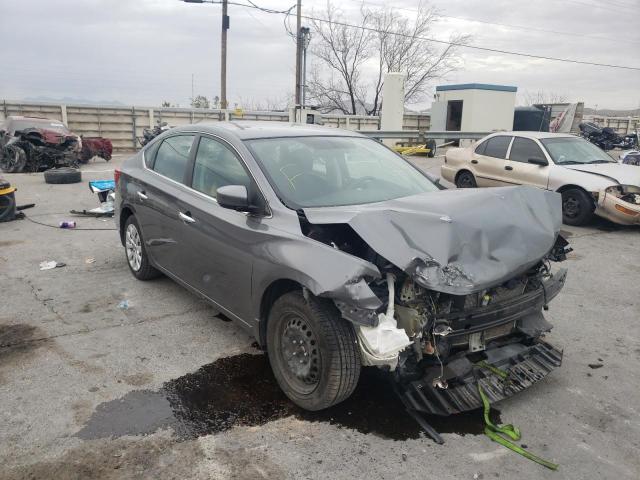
<point x="312" y="350"/>
<point x="465" y="179"/>
<point x="136" y="252"/>
<point x="577" y="207"/>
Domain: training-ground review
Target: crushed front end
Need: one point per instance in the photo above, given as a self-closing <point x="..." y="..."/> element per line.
<point x="452" y="336"/>
<point x="464" y="279"/>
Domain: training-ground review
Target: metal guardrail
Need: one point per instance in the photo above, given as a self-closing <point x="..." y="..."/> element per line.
<point x="422" y="135"/>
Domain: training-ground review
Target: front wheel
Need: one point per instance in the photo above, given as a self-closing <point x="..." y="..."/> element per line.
<point x="577" y="207"/>
<point x="312" y="350"/>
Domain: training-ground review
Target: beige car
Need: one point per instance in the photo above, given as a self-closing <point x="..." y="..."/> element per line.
<point x="589" y="180"/>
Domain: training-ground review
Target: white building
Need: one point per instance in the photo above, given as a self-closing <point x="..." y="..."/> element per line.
<point x="473" y="107"/>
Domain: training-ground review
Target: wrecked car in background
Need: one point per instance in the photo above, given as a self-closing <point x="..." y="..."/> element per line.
<point x="588" y="179"/>
<point x="335" y="253"/>
<point x="32" y="144"/>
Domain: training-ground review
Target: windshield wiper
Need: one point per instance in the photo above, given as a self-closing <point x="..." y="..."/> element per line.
<point x="601" y="161"/>
<point x="570" y="162"/>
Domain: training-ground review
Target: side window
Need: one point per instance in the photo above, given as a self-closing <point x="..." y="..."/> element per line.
<point x="523" y="149"/>
<point x="480" y="149"/>
<point x="216" y="166"/>
<point x="173" y="156"/>
<point x="497" y="147"/>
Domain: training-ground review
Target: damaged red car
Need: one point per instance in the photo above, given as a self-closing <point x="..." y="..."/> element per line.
<point x="33" y="144"/>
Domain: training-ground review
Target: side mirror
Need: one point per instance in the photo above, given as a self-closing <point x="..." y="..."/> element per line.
<point x="538" y="161"/>
<point x="234" y="197"/>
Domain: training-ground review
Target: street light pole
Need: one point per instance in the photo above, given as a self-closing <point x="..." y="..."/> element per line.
<point x="223" y="56"/>
<point x="298" y="53"/>
<point x="223" y="49"/>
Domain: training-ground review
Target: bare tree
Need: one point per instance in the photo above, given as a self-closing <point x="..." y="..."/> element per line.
<point x="541" y="97"/>
<point x="268" y="104"/>
<point x="388" y="42"/>
<point x="343" y="50"/>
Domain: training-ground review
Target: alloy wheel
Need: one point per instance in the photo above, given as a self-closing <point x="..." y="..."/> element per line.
<point x="133" y="246"/>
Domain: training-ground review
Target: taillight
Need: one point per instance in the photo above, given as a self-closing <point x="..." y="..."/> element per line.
<point x="116" y="175"/>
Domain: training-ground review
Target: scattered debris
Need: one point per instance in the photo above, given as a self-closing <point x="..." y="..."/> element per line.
<point x="106" y="195"/>
<point x="50" y="264"/>
<point x="124" y="305"/>
<point x="90" y="260"/>
<point x="67" y="224"/>
<point x="595" y="365"/>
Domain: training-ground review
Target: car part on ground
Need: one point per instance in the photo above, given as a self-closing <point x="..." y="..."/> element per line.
<point x="606" y="137"/>
<point x="62" y="175"/>
<point x="30" y="144"/>
<point x="352" y="255"/>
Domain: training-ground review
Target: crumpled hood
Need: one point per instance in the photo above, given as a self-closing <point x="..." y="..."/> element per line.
<point x="457" y="241"/>
<point x="623" y="174"/>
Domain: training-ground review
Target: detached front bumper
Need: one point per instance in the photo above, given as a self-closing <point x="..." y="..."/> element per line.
<point x="525" y="365"/>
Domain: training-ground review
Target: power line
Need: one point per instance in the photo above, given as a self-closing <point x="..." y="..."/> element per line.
<point x="445" y="42"/>
<point x="508" y="25"/>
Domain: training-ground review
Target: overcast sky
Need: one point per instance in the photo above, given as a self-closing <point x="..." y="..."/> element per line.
<point x="144" y="51"/>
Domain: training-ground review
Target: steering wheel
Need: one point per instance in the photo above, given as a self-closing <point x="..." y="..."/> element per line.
<point x="360" y="182"/>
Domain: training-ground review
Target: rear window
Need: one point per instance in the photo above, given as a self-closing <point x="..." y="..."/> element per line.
<point x="173" y="156"/>
<point x="497" y="147"/>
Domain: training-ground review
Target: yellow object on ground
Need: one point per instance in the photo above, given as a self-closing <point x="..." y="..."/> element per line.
<point x="412" y="150"/>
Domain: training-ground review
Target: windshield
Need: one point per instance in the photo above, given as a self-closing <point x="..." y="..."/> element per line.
<point x="331" y="171"/>
<point x="574" y="151"/>
<point x="43" y="123"/>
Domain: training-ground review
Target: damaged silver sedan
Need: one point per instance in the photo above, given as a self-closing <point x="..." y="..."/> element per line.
<point x="337" y="253"/>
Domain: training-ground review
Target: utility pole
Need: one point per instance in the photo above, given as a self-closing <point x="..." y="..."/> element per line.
<point x="223" y="56"/>
<point x="298" y="52"/>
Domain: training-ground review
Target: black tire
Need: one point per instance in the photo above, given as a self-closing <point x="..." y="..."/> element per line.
<point x="138" y="261"/>
<point x="465" y="179"/>
<point x="330" y="369"/>
<point x="431" y="145"/>
<point x="14" y="160"/>
<point x="577" y="207"/>
<point x="62" y="175"/>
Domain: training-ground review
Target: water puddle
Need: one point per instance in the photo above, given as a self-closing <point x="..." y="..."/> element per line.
<point x="242" y="391"/>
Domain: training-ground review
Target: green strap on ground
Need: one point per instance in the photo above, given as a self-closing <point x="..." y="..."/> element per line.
<point x="494" y="432"/>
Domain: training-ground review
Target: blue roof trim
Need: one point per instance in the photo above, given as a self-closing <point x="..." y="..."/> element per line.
<point x="477" y="86"/>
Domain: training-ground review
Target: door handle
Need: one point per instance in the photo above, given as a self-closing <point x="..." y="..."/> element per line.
<point x="142" y="195"/>
<point x="474" y="161"/>
<point x="508" y="168"/>
<point x="186" y="218"/>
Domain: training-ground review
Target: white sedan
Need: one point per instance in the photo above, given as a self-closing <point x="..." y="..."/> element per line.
<point x="589" y="180"/>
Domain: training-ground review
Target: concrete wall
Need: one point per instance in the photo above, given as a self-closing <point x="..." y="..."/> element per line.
<point x="123" y="125"/>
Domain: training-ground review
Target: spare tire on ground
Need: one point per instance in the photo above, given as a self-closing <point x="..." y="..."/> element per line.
<point x="62" y="175"/>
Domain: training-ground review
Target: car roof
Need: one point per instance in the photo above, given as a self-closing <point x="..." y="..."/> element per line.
<point x="249" y="129"/>
<point x="538" y="135"/>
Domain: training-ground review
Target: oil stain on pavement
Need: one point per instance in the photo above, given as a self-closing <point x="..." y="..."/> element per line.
<point x="242" y="391"/>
